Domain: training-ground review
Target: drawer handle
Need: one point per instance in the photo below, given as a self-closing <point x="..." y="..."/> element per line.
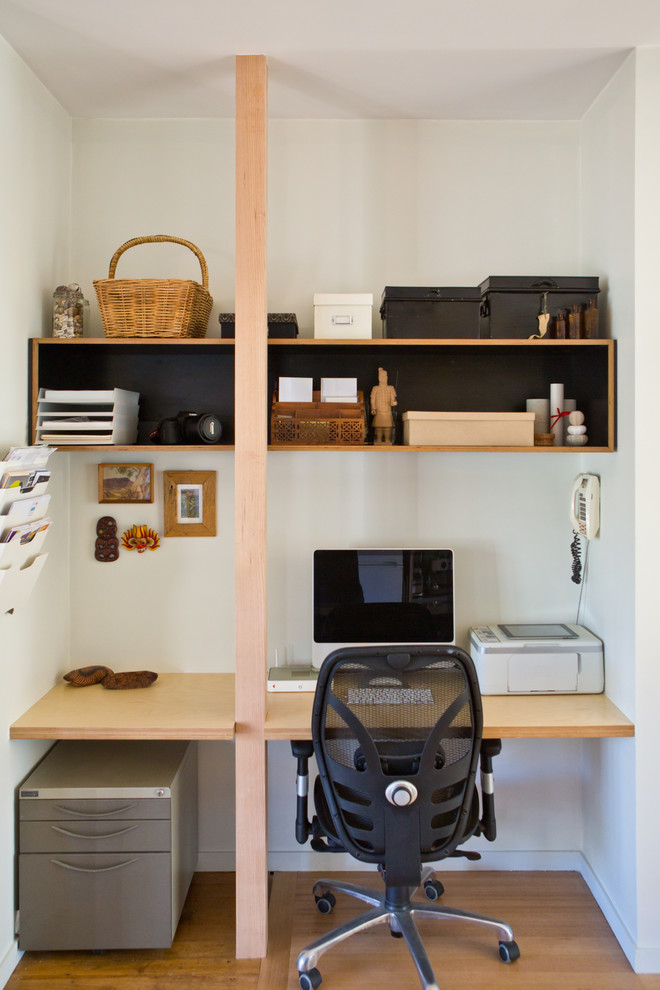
<point x="93" y="814"/>
<point x="81" y="835"/>
<point x="92" y="869"/>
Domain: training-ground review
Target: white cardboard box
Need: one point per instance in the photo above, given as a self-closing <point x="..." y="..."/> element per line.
<point x="468" y="429"/>
<point x="343" y="316"/>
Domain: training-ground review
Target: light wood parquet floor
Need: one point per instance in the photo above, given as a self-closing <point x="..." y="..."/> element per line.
<point x="565" y="943"/>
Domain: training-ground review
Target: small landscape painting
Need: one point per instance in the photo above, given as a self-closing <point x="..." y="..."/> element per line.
<point x="126" y="482"/>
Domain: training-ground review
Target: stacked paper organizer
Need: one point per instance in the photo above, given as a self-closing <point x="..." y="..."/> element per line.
<point x="87" y="416"/>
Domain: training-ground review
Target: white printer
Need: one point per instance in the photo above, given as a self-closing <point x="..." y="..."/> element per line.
<point x="537" y="658"/>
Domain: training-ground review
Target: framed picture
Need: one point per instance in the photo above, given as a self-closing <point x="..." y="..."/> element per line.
<point x="126" y="482"/>
<point x="189" y="503"/>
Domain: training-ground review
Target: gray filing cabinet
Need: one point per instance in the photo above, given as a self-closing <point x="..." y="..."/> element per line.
<point x="108" y="845"/>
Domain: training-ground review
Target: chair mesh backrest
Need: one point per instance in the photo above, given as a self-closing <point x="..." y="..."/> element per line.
<point x="409" y="713"/>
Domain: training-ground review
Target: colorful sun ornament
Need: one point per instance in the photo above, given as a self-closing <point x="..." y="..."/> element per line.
<point x="140" y="538"/>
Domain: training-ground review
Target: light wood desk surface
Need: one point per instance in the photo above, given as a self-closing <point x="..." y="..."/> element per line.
<point x="201" y="706"/>
<point x="176" y="706"/>
<point x="564" y="716"/>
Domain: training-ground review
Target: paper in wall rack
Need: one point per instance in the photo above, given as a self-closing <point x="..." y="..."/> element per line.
<point x="24" y="522"/>
<point x="87" y="416"/>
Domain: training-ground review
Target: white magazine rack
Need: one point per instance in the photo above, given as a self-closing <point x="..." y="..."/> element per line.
<point x="23" y="510"/>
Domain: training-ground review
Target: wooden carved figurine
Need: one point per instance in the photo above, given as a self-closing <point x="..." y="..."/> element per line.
<point x="106" y="548"/>
<point x="84" y="676"/>
<point x="383" y="399"/>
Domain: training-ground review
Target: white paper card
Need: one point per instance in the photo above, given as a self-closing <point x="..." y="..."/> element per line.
<point x="296" y="389"/>
<point x="339" y="390"/>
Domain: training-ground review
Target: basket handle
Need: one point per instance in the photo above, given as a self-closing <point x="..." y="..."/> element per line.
<point x="157" y="239"/>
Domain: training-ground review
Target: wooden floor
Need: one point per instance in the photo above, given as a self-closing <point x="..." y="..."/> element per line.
<point x="564" y="939"/>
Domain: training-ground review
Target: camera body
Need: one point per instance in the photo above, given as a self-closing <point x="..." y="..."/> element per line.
<point x="189" y="427"/>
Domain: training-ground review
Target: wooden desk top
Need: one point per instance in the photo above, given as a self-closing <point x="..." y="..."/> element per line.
<point x="563" y="716"/>
<point x="201" y="706"/>
<point x="176" y="706"/>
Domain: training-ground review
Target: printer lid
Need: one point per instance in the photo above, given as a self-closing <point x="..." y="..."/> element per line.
<point x="537" y="630"/>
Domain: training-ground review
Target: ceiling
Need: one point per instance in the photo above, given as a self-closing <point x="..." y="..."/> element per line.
<point x="434" y="59"/>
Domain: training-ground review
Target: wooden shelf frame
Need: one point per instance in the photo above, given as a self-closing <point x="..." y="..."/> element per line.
<point x="166" y="372"/>
<point x="208" y="364"/>
<point x="463" y="375"/>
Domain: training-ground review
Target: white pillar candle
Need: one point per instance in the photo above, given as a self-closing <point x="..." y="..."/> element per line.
<point x="557" y="406"/>
<point x="541" y="410"/>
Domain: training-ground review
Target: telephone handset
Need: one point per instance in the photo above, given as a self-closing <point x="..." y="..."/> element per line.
<point x="585" y="505"/>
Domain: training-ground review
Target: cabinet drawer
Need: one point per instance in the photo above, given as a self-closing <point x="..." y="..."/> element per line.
<point x="104" y="901"/>
<point x="83" y="836"/>
<point x="72" y="809"/>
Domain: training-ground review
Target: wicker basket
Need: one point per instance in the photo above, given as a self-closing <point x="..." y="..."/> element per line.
<point x="317" y="423"/>
<point x="150" y="307"/>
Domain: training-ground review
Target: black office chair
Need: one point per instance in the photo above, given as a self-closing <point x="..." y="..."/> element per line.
<point x="397" y="738"/>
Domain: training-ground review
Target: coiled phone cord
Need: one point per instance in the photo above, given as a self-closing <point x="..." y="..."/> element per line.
<point x="576" y="553"/>
<point x="578" y="570"/>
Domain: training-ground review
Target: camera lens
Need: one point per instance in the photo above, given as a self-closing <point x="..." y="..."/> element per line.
<point x="204" y="428"/>
<point x="168" y="432"/>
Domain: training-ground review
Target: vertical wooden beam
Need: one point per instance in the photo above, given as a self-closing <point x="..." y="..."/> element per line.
<point x="250" y="506"/>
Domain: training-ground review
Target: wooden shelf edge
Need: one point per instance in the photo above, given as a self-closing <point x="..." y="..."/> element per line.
<point x="110" y="732"/>
<point x="134" y="341"/>
<point x="432" y="342"/>
<point x="141" y="448"/>
<point x="407" y="448"/>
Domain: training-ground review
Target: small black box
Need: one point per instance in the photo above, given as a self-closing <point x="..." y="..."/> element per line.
<point x="511" y="304"/>
<point x="279" y="324"/>
<point x="428" y="312"/>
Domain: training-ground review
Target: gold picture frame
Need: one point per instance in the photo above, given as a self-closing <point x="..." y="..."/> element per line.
<point x="130" y="483"/>
<point x="189" y="503"/>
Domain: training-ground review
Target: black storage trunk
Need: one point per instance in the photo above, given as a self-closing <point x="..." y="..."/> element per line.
<point x="510" y="304"/>
<point x="427" y="312"/>
<point x="279" y="324"/>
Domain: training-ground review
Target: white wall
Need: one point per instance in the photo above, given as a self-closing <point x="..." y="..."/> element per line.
<point x="608" y="245"/>
<point x="354" y="205"/>
<point x="35" y="205"/>
<point x="621" y="213"/>
<point x="647" y="479"/>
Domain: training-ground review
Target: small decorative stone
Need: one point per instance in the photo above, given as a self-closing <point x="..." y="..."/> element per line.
<point x="577" y="440"/>
<point x="576" y="418"/>
<point x="577" y="431"/>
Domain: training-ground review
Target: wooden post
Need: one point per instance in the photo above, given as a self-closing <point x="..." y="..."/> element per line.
<point x="250" y="506"/>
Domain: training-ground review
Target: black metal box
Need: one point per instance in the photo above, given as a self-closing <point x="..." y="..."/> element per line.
<point x="511" y="306"/>
<point x="279" y="324"/>
<point x="430" y="312"/>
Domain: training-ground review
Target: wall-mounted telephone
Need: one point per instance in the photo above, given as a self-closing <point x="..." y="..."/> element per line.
<point x="585" y="519"/>
<point x="585" y="505"/>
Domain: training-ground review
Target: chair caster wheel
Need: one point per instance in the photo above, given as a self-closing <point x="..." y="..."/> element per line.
<point x="509" y="952"/>
<point x="325" y="902"/>
<point x="433" y="889"/>
<point x="309" y="980"/>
